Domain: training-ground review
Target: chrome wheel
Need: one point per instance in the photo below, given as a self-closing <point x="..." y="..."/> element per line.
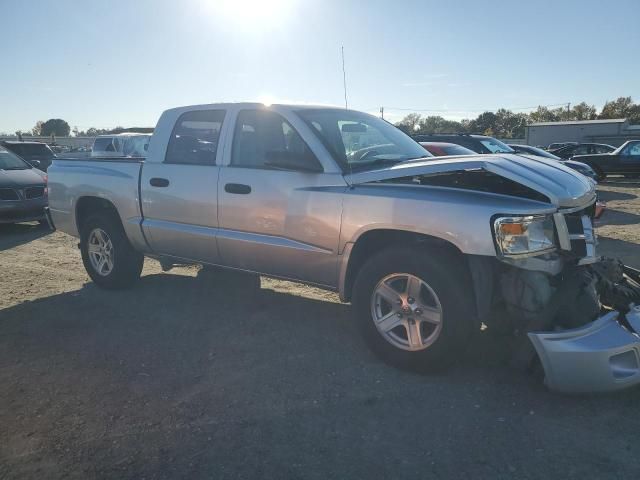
<point x="100" y="249"/>
<point x="406" y="311"/>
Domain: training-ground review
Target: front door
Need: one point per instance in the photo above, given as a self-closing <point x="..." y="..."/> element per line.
<point x="179" y="195"/>
<point x="279" y="211"/>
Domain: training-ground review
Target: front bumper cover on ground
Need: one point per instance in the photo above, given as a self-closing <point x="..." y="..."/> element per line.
<point x="601" y="356"/>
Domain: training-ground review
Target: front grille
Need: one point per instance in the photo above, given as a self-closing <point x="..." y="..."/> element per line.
<point x="8" y="194"/>
<point x="33" y="192"/>
<point x="581" y="234"/>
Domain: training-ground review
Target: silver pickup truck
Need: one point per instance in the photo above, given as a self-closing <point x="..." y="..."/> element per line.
<point x="428" y="250"/>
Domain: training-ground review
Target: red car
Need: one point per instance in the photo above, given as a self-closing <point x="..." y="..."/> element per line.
<point x="441" y="149"/>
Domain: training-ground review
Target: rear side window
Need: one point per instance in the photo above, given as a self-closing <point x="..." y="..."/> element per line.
<point x="264" y="139"/>
<point x="194" y="140"/>
<point x="602" y="149"/>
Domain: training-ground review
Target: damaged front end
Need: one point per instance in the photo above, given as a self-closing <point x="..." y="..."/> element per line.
<point x="604" y="354"/>
<point x="575" y="310"/>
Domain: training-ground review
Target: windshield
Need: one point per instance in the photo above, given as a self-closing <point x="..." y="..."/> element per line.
<point x="9" y="161"/>
<point x="359" y="141"/>
<point x="496" y="146"/>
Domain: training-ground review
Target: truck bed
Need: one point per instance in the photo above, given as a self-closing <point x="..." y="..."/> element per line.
<point x="115" y="179"/>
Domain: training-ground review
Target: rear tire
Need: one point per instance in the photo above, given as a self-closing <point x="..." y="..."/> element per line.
<point x="108" y="257"/>
<point x="443" y="287"/>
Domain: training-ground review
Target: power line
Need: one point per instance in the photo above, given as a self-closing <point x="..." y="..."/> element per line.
<point x="432" y="110"/>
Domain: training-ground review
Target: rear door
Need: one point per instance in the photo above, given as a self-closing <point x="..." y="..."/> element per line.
<point x="179" y="193"/>
<point x="279" y="210"/>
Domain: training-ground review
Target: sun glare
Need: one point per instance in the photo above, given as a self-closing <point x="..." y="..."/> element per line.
<point x="249" y="14"/>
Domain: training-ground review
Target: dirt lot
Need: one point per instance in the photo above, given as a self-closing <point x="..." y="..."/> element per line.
<point x="186" y="376"/>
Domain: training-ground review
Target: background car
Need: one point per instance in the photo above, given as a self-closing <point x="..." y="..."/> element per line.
<point x="476" y="143"/>
<point x="23" y="190"/>
<point x="625" y="160"/>
<point x="121" y="145"/>
<point x="569" y="151"/>
<point x="557" y="145"/>
<point x="583" y="168"/>
<point x="37" y="154"/>
<point x="440" y="149"/>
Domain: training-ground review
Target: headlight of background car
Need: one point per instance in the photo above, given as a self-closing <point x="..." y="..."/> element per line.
<point x="524" y="235"/>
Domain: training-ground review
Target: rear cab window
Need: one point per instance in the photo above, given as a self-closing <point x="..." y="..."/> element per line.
<point x="104" y="144"/>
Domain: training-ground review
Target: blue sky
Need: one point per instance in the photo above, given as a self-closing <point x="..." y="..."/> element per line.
<point x="122" y="62"/>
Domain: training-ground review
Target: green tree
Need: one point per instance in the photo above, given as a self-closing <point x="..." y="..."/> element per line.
<point x="438" y="124"/>
<point x="37" y="129"/>
<point x="483" y="123"/>
<point x="410" y="123"/>
<point x="583" y="111"/>
<point x="509" y="124"/>
<point x="623" y="107"/>
<point x="55" y="126"/>
<point x="543" y="114"/>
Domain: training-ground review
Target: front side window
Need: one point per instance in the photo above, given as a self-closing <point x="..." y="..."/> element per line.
<point x="264" y="139"/>
<point x="632" y="149"/>
<point x="194" y="140"/>
<point x="359" y="141"/>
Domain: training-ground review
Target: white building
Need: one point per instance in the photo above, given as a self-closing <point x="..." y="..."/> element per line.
<point x="613" y="132"/>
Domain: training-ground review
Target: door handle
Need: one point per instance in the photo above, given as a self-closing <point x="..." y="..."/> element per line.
<point x="238" y="188"/>
<point x="159" y="182"/>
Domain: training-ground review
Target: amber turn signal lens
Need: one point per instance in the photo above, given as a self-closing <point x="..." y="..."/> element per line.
<point x="512" y="228"/>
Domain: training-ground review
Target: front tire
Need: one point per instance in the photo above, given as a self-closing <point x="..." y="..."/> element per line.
<point x="413" y="307"/>
<point x="107" y="255"/>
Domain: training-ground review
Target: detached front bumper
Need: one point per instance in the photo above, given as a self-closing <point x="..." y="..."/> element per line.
<point x="601" y="356"/>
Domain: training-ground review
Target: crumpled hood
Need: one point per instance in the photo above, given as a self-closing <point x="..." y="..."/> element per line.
<point x="21" y="178"/>
<point x="562" y="185"/>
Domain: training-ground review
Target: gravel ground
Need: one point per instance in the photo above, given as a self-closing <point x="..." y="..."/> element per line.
<point x="195" y="376"/>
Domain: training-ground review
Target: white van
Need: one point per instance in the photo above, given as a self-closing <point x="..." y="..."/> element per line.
<point x="121" y="145"/>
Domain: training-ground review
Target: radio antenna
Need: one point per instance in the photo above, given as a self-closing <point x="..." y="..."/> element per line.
<point x="344" y="79"/>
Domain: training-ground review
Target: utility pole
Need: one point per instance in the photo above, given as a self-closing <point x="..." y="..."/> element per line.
<point x="568" y="110"/>
<point x="344" y="79"/>
<point x="382" y="112"/>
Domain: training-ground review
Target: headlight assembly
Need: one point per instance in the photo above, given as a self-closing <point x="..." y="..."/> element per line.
<point x="526" y="235"/>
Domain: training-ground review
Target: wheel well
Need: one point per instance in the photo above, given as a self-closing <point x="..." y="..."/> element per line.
<point x="87" y="206"/>
<point x="373" y="241"/>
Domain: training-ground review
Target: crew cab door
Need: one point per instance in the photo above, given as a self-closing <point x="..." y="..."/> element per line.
<point x="179" y="191"/>
<point x="279" y="211"/>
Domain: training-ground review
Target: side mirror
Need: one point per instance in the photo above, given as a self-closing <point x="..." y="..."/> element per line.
<point x="36" y="163"/>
